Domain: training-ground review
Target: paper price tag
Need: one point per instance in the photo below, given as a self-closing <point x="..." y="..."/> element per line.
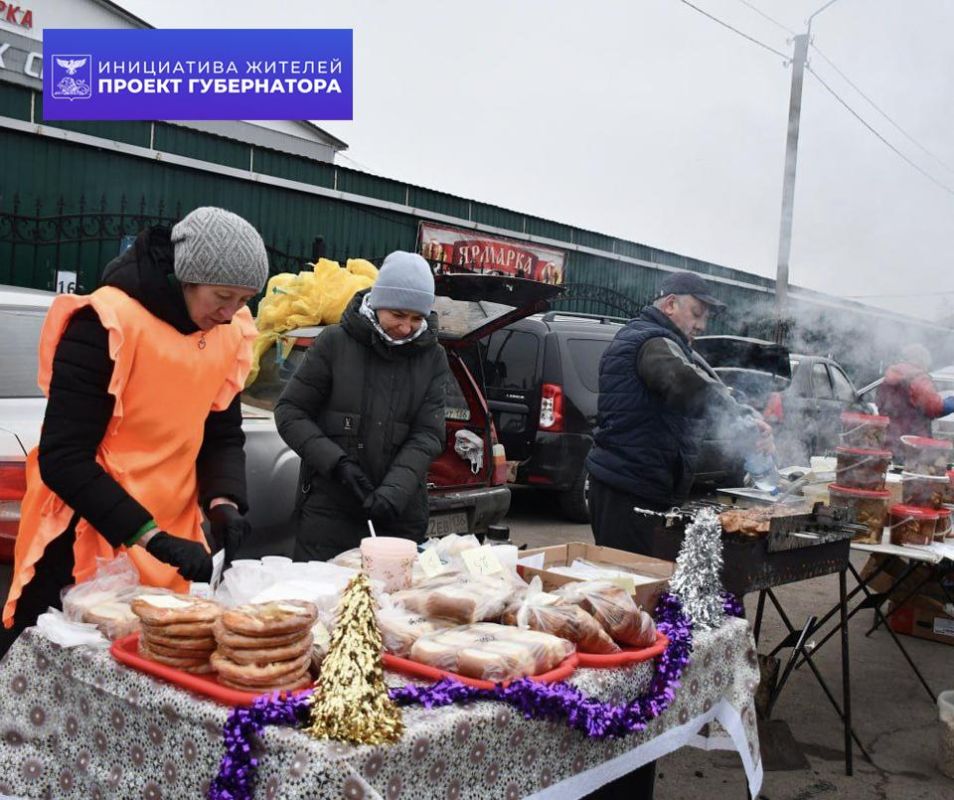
<point x="481" y="561"/>
<point x="430" y="562"/>
<point x="625" y="582"/>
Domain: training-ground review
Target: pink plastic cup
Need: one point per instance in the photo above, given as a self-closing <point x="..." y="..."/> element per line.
<point x="390" y="560"/>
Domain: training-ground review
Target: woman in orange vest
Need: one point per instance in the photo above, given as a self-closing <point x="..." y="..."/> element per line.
<point x="142" y="430"/>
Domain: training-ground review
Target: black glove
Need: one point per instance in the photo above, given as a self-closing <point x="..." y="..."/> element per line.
<point x="348" y="473"/>
<point x="229" y="528"/>
<point x="379" y="509"/>
<point x="190" y="558"/>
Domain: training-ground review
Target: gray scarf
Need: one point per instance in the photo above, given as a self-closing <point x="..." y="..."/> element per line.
<point x="366" y="311"/>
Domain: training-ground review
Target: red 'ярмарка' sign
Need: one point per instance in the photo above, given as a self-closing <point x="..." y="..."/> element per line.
<point x="467" y="251"/>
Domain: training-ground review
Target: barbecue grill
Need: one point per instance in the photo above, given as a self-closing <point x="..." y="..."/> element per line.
<point x="797" y="546"/>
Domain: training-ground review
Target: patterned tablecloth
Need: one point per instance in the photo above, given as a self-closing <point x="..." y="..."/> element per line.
<point x="74" y="723"/>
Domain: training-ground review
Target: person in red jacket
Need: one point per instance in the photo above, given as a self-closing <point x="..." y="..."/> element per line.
<point x="908" y="396"/>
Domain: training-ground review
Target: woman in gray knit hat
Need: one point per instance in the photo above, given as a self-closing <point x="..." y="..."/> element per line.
<point x="142" y="431"/>
<point x="365" y="411"/>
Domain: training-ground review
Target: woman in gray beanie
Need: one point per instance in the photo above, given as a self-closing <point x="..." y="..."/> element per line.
<point x="143" y="425"/>
<point x="365" y="411"/>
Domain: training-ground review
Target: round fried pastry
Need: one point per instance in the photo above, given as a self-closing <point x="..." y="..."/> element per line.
<point x="176" y="652"/>
<point x="238" y="641"/>
<point x="171" y="661"/>
<point x="168" y="609"/>
<point x="298" y="681"/>
<point x="186" y="630"/>
<point x="179" y="642"/>
<point x="258" y="674"/>
<point x="271" y="619"/>
<point x="268" y="655"/>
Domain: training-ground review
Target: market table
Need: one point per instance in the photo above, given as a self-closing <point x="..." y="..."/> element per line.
<point x="75" y="723"/>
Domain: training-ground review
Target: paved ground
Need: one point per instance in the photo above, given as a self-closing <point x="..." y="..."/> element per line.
<point x="894" y="717"/>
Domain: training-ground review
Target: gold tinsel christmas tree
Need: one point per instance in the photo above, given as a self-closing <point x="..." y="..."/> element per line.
<point x="351" y="702"/>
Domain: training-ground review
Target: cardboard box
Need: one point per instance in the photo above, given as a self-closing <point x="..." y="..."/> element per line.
<point x="563" y="555"/>
<point x="924" y="618"/>
<point x="916" y="580"/>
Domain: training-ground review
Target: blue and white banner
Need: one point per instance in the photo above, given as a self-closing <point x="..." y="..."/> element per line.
<point x="197" y="74"/>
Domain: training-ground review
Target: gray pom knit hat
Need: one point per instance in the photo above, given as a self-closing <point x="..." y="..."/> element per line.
<point x="405" y="283"/>
<point x="215" y="246"/>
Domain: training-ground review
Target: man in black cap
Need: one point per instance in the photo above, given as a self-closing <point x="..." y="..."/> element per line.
<point x="655" y="405"/>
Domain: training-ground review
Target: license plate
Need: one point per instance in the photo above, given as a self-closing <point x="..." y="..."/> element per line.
<point x="442" y="524"/>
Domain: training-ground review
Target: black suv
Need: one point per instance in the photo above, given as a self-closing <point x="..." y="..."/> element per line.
<point x="542" y="382"/>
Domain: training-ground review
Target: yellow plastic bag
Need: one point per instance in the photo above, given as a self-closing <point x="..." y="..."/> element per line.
<point x="316" y="296"/>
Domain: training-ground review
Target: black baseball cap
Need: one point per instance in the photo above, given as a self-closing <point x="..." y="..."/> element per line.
<point x="690" y="283"/>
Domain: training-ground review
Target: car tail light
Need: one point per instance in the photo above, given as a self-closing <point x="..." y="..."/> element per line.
<point x="12" y="489"/>
<point x="551" y="407"/>
<point x="774" y="412"/>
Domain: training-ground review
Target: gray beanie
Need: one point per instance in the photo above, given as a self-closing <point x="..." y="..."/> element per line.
<point x="405" y="283"/>
<point x="217" y="247"/>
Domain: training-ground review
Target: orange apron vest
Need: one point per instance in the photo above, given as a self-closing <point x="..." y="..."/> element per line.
<point x="165" y="384"/>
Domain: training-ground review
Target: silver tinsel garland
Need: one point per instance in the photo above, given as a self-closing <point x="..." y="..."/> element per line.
<point x="697" y="581"/>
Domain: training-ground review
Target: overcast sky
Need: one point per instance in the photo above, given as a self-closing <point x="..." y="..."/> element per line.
<point x="648" y="121"/>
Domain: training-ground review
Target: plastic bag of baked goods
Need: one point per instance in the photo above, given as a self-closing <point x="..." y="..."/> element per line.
<point x="614" y="608"/>
<point x="548" y="613"/>
<point x="491" y="652"/>
<point x="471" y="599"/>
<point x="104" y="599"/>
<point x="415" y="598"/>
<point x="400" y="628"/>
<point x="349" y="558"/>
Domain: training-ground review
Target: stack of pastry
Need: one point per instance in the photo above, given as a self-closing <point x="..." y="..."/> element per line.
<point x="265" y="647"/>
<point x="176" y="630"/>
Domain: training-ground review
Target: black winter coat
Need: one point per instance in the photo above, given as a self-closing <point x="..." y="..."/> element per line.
<point x="80" y="407"/>
<point x="356" y="395"/>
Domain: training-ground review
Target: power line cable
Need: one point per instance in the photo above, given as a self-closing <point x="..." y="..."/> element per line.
<point x="894" y="296"/>
<point x="736" y="30"/>
<point x="877" y="108"/>
<point x="774" y="21"/>
<point x="888" y="144"/>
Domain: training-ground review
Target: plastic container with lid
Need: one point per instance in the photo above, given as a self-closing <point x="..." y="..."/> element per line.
<point x="913" y="524"/>
<point x="923" y="490"/>
<point x="870" y="507"/>
<point x="926" y="456"/>
<point x="863" y="430"/>
<point x="862" y="469"/>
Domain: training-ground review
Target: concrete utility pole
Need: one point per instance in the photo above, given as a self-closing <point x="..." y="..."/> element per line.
<point x="788" y="185"/>
<point x="799" y="57"/>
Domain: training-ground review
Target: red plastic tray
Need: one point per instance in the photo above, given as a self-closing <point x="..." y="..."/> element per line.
<point x="414" y="669"/>
<point x="126" y="651"/>
<point x="629" y="655"/>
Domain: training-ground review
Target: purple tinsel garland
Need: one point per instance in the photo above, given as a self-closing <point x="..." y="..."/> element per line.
<point x="733" y="606"/>
<point x="554" y="701"/>
<point x="236" y="777"/>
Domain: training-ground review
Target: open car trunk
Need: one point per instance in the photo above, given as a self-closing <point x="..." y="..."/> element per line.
<point x="470" y="307"/>
<point x="753" y="368"/>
